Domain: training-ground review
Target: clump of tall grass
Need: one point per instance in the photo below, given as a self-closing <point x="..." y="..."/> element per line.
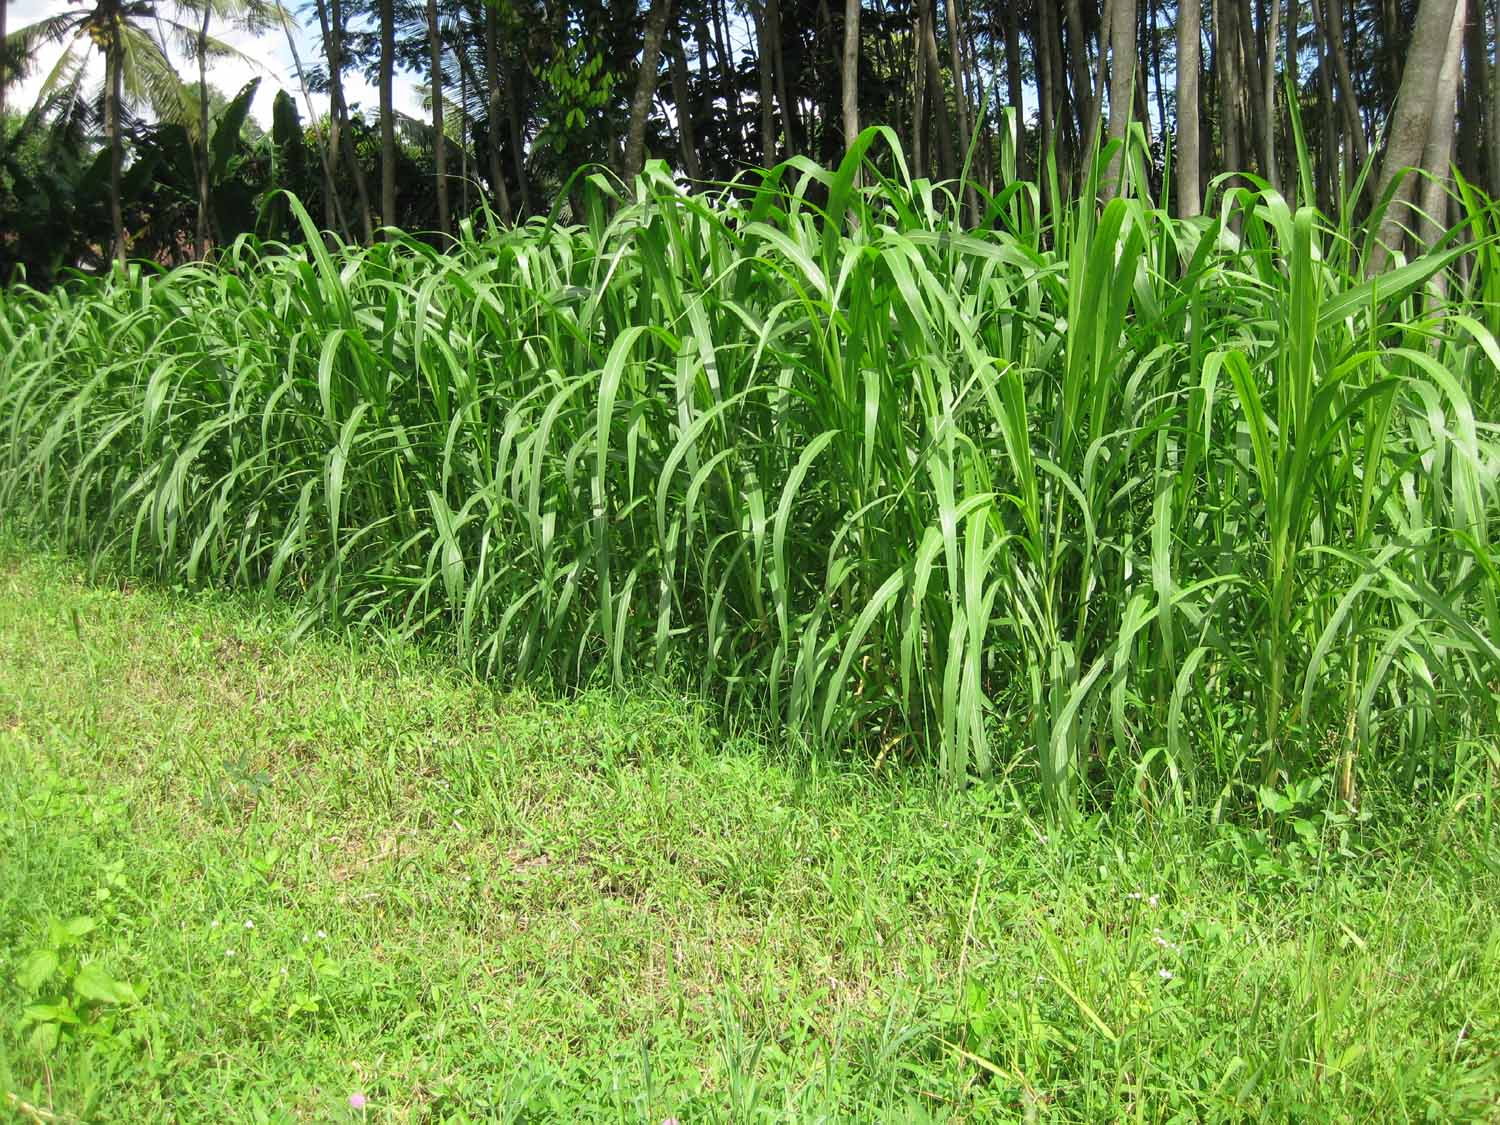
<point x="1117" y="498"/>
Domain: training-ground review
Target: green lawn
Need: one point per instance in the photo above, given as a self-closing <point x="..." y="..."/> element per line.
<point x="323" y="869"/>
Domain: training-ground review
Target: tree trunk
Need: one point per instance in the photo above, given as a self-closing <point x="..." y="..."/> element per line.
<point x="203" y="157"/>
<point x="517" y="147"/>
<point x="388" y="214"/>
<point x="1251" y="92"/>
<point x="1437" y="156"/>
<point x="1084" y="94"/>
<point x="939" y="96"/>
<point x="728" y="79"/>
<point x="113" y="84"/>
<point x="1046" y="83"/>
<point x="1494" y="106"/>
<point x="1474" y="72"/>
<point x="789" y="128"/>
<point x="1330" y="19"/>
<point x="685" y="131"/>
<point x="4" y="73"/>
<point x="1189" y="64"/>
<point x="961" y="98"/>
<point x="1411" y="123"/>
<point x="645" y="88"/>
<point x="1015" y="88"/>
<point x="1291" y="76"/>
<point x="919" y="92"/>
<point x="1330" y="153"/>
<point x="1095" y="111"/>
<point x="492" y="107"/>
<point x="340" y="138"/>
<point x="439" y="138"/>
<point x="463" y="135"/>
<point x="1271" y="44"/>
<point x="849" y="72"/>
<point x="1121" y="85"/>
<point x="1154" y="32"/>
<point x="1226" y="62"/>
<point x="333" y="215"/>
<point x="765" y="66"/>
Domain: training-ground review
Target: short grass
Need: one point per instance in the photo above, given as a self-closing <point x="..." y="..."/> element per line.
<point x="328" y="869"/>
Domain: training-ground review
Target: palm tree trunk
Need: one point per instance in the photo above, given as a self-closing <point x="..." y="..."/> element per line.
<point x="1251" y="93"/>
<point x="1122" y="68"/>
<point x="789" y="129"/>
<point x="1411" y="123"/>
<point x="1078" y="63"/>
<point x="1330" y="19"/>
<point x="685" y="131"/>
<point x="1189" y="138"/>
<point x="1437" y="156"/>
<point x="1494" y="106"/>
<point x="439" y="138"/>
<point x="919" y="91"/>
<point x="1094" y="111"/>
<point x="1153" y="42"/>
<point x="1046" y="83"/>
<point x="4" y="73"/>
<point x="1270" y="45"/>
<point x="727" y="77"/>
<point x="386" y="78"/>
<point x="763" y="56"/>
<point x="202" y="161"/>
<point x="1015" y="89"/>
<point x="463" y="134"/>
<point x="518" y="149"/>
<point x="849" y="71"/>
<point x="492" y="104"/>
<point x="961" y="97"/>
<point x="340" y="139"/>
<point x="113" y="84"/>
<point x="645" y="88"/>
<point x="1330" y="153"/>
<point x="1292" y="78"/>
<point x="1474" y="72"/>
<point x="1226" y="62"/>
<point x="938" y="95"/>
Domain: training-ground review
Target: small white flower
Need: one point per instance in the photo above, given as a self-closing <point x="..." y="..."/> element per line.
<point x="1152" y="902"/>
<point x="228" y="953"/>
<point x="249" y="925"/>
<point x="1165" y="974"/>
<point x="322" y="934"/>
<point x="1135" y="896"/>
<point x="283" y="970"/>
<point x="214" y="925"/>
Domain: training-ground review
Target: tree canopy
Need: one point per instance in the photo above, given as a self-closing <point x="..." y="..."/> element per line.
<point x="1325" y="98"/>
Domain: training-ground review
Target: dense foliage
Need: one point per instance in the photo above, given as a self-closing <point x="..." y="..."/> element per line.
<point x="519" y="94"/>
<point x="1111" y="498"/>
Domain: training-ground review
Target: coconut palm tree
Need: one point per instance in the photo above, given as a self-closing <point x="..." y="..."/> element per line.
<point x="128" y="35"/>
<point x="252" y="15"/>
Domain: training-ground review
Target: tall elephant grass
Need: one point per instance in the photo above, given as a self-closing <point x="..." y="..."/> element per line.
<point x="1095" y="496"/>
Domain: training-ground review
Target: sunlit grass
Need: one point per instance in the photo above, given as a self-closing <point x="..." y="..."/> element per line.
<point x="331" y="869"/>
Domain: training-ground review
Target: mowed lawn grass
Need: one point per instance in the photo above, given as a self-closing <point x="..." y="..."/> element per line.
<point x="328" y="869"/>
